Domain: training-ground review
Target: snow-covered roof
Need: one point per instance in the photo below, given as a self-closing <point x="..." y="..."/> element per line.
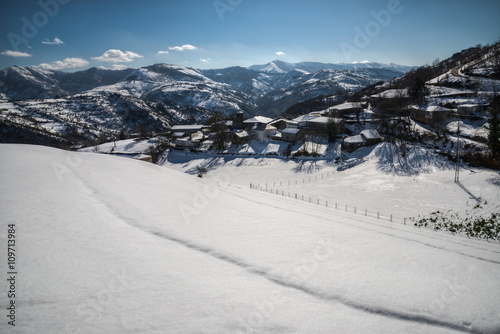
<point x="187" y="128"/>
<point x="370" y="134"/>
<point x="279" y="119"/>
<point x="197" y="136"/>
<point x="437" y="108"/>
<point x="183" y="140"/>
<point x="263" y="127"/>
<point x="290" y="131"/>
<point x="355" y="139"/>
<point x="258" y="119"/>
<point x="178" y="134"/>
<point x="242" y="134"/>
<point x="320" y="119"/>
<point x="304" y="118"/>
<point x="430" y="108"/>
<point x="347" y="106"/>
<point x="427" y="107"/>
<point x="469" y="105"/>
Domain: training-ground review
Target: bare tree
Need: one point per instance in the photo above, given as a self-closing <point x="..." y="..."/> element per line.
<point x="332" y="130"/>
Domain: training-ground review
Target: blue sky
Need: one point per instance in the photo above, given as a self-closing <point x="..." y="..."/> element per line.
<point x="73" y="35"/>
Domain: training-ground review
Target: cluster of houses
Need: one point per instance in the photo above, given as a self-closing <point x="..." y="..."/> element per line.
<point x="242" y="131"/>
<point x="313" y="126"/>
<point x="443" y="104"/>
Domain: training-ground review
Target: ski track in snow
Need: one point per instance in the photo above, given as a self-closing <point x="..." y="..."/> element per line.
<point x="282" y="281"/>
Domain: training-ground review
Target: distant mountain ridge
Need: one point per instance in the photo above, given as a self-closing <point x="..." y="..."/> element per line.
<point x="84" y="104"/>
<point x="278" y="66"/>
<point x="20" y="83"/>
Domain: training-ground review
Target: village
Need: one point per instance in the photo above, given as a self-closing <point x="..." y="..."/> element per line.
<point x="315" y="127"/>
<point x="390" y="115"/>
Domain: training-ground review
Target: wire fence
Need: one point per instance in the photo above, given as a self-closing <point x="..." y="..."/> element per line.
<point x="298" y="181"/>
<point x="317" y="200"/>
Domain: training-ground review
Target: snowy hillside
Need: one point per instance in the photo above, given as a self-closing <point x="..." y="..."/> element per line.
<point x="122" y="246"/>
<point x="81" y="118"/>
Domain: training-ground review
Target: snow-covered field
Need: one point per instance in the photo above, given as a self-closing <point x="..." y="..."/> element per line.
<point x="418" y="184"/>
<point x="137" y="149"/>
<point x="113" y="245"/>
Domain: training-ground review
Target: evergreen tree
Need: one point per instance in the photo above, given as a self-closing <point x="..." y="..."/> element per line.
<point x="418" y="91"/>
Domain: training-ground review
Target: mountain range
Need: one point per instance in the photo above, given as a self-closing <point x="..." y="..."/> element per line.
<point x="225" y="90"/>
<point x="86" y="103"/>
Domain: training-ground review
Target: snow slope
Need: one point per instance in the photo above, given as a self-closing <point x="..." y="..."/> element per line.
<point x="113" y="245"/>
<point x="418" y="184"/>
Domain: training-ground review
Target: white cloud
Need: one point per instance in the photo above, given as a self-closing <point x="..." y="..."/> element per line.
<point x="280" y="53"/>
<point x="118" y="67"/>
<point x="163" y="52"/>
<point x="66" y="63"/>
<point x="56" y="41"/>
<point x="206" y="60"/>
<point x="183" y="47"/>
<point x="118" y="56"/>
<point x="11" y="53"/>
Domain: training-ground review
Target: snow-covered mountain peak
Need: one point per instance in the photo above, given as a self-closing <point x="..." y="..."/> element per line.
<point x="166" y="73"/>
<point x="272" y="67"/>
